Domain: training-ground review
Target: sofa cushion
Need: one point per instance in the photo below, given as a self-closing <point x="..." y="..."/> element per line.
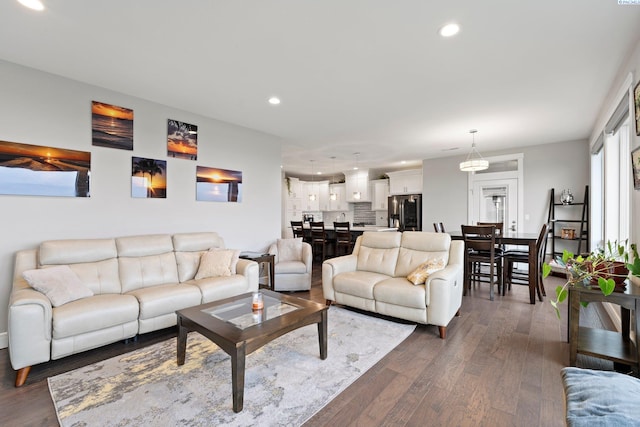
<point x="290" y="267"/>
<point x="196" y="242"/>
<point x="600" y="398"/>
<point x="378" y="252"/>
<point x="93" y="314"/>
<point x="102" y="277"/>
<point x="418" y="247"/>
<point x="289" y="249"/>
<point x="218" y="262"/>
<point x="140" y="246"/>
<point x="217" y="288"/>
<point x="142" y="272"/>
<point x="424" y="270"/>
<point x="399" y="291"/>
<point x="163" y="299"/>
<point x="188" y="264"/>
<point x="60" y="284"/>
<point x="56" y="252"/>
<point x="358" y="283"/>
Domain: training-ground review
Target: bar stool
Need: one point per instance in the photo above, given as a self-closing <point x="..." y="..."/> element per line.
<point x="298" y="230"/>
<point x="318" y="238"/>
<point x="343" y="238"/>
<point x="438" y="227"/>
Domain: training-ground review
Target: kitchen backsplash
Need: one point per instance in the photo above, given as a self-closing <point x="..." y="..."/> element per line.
<point x="362" y="214"/>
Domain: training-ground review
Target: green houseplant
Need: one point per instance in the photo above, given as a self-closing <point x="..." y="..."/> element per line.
<point x="606" y="268"/>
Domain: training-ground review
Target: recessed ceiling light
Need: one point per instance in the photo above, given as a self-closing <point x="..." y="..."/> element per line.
<point x="32" y="4"/>
<point x="274" y="100"/>
<point x="449" y="30"/>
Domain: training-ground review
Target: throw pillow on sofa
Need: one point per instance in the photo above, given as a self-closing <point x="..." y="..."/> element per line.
<point x="218" y="262"/>
<point x="423" y="271"/>
<point x="289" y="249"/>
<point x="60" y="284"/>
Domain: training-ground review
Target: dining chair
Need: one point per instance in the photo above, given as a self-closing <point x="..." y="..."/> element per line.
<point x="343" y="238"/>
<point x="318" y="238"/>
<point x="439" y="227"/>
<point x="519" y="256"/>
<point x="480" y="250"/>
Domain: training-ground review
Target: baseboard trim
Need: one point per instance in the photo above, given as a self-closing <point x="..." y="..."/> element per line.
<point x="4" y="340"/>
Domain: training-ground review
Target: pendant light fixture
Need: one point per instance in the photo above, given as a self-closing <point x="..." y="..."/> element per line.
<point x="312" y="195"/>
<point x="474" y="162"/>
<point x="356" y="194"/>
<point x="333" y="195"/>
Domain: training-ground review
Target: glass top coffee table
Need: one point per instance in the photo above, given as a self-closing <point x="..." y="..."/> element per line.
<point x="239" y="330"/>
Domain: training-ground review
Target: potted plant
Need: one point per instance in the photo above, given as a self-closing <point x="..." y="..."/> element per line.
<point x="607" y="268"/>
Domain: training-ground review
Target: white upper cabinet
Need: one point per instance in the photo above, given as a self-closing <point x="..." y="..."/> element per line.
<point x="380" y="195"/>
<point x="357" y="181"/>
<point x="340" y="202"/>
<point x="294" y="188"/>
<point x="405" y="182"/>
<point x="320" y="189"/>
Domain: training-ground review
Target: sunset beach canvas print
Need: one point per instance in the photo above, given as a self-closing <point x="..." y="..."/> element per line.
<point x="182" y="140"/>
<point x="148" y="178"/>
<point x="35" y="170"/>
<point x="218" y="185"/>
<point x="111" y="126"/>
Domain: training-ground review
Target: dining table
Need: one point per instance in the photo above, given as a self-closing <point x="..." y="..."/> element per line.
<point x="517" y="238"/>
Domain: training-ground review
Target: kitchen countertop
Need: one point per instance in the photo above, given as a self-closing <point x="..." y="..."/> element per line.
<point x="365" y="228"/>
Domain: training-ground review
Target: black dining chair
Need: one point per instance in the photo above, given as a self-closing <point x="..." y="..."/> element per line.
<point x="518" y="256"/>
<point x="343" y="238"/>
<point x="439" y="227"/>
<point x="480" y="251"/>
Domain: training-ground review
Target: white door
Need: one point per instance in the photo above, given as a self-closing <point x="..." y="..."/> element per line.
<point x="495" y="200"/>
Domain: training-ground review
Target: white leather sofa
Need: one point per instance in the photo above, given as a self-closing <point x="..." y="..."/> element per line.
<point x="293" y="264"/>
<point x="138" y="282"/>
<point x="374" y="277"/>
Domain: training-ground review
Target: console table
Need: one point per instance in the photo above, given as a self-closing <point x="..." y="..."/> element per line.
<point x="615" y="346"/>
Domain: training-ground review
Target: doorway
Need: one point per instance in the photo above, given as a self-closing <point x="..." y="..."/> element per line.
<point x="495" y="194"/>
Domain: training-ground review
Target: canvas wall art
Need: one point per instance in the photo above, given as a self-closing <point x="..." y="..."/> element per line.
<point x="218" y="185"/>
<point x="111" y="126"/>
<point x="35" y="170"/>
<point x="182" y="140"/>
<point x="148" y="178"/>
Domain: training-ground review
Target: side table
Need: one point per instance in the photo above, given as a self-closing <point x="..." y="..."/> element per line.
<point x="619" y="347"/>
<point x="263" y="258"/>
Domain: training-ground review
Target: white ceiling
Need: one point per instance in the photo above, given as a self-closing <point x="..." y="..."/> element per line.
<point x="368" y="76"/>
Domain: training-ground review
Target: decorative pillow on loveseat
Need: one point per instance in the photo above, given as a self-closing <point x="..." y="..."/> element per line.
<point x="423" y="271"/>
<point x="60" y="284"/>
<point x="218" y="262"/>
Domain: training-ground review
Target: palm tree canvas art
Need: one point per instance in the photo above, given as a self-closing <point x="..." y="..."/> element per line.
<point x="182" y="140"/>
<point x="148" y="178"/>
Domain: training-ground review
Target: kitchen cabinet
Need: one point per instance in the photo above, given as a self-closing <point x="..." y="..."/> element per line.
<point x="405" y="182"/>
<point x="321" y="191"/>
<point x="357" y="181"/>
<point x="380" y="198"/>
<point x="340" y="204"/>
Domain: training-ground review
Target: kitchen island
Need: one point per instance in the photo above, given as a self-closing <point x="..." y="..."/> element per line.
<point x="355" y="232"/>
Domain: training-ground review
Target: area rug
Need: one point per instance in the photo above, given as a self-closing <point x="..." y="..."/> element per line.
<point x="286" y="382"/>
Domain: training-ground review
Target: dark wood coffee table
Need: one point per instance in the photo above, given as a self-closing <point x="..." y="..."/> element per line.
<point x="238" y="330"/>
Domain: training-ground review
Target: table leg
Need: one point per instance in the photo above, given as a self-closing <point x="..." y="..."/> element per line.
<point x="272" y="283"/>
<point x="574" y="326"/>
<point x="533" y="269"/>
<point x="322" y="334"/>
<point x="237" y="377"/>
<point x="181" y="342"/>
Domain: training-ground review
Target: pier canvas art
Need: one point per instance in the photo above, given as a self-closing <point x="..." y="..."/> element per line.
<point x="218" y="185"/>
<point x="111" y="126"/>
<point x="182" y="140"/>
<point x="148" y="178"/>
<point x="35" y="170"/>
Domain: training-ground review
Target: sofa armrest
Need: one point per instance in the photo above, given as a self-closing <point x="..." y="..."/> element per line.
<point x="250" y="270"/>
<point x="443" y="296"/>
<point x="29" y="329"/>
<point x="307" y="256"/>
<point x="331" y="268"/>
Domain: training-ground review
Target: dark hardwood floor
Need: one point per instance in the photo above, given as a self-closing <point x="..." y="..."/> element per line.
<point x="499" y="366"/>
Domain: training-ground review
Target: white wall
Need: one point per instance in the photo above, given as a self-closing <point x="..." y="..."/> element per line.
<point x="546" y="166"/>
<point x="43" y="109"/>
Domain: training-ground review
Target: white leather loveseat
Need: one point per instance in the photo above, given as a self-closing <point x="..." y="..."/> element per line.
<point x="127" y="286"/>
<point x="374" y="276"/>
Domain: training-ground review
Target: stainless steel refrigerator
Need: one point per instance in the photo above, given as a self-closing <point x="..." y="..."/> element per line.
<point x="405" y="212"/>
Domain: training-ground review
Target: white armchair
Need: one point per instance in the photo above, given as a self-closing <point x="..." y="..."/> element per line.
<point x="293" y="264"/>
